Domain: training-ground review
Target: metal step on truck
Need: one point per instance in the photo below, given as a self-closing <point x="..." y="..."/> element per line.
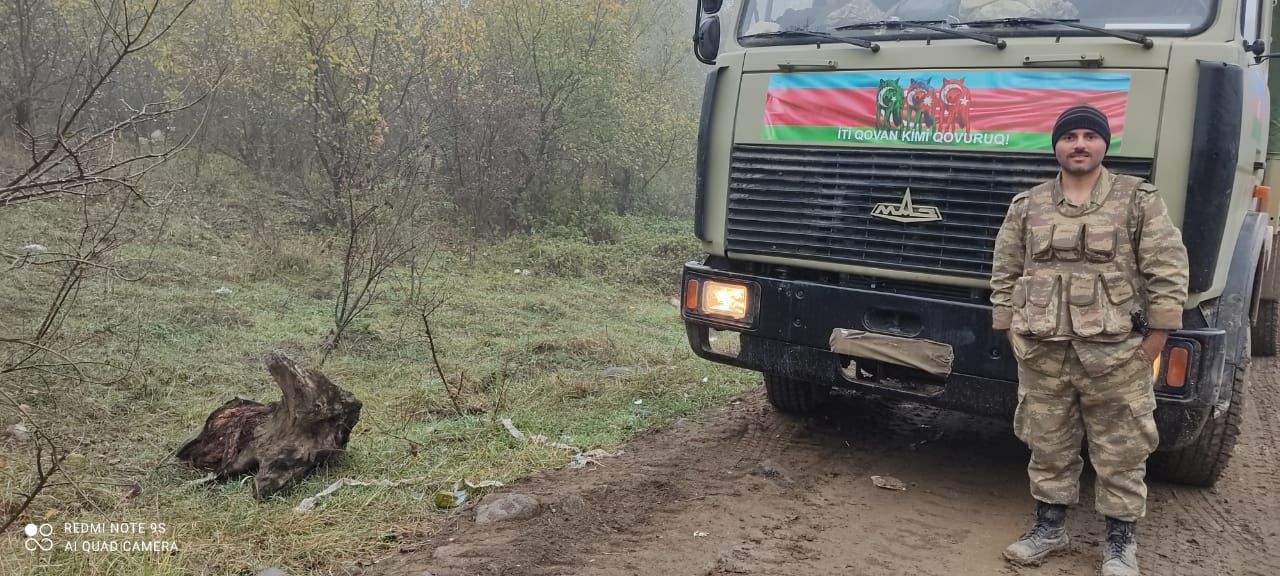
<point x="857" y="157"/>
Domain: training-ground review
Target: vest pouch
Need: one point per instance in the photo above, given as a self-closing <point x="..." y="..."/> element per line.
<point x="1019" y="323"/>
<point x="1040" y="243"/>
<point x="1087" y="309"/>
<point x="1116" y="318"/>
<point x="1099" y="243"/>
<point x="1066" y="243"/>
<point x="1041" y="310"/>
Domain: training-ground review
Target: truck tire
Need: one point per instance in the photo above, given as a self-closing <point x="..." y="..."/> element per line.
<point x="1202" y="463"/>
<point x="1266" y="332"/>
<point x="794" y="396"/>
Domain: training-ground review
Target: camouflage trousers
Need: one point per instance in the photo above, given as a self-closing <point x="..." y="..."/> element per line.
<point x="1057" y="410"/>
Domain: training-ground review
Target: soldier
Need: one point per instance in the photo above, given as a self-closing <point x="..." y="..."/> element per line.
<point x="1077" y="258"/>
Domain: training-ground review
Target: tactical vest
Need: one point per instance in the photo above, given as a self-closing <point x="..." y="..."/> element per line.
<point x="1080" y="276"/>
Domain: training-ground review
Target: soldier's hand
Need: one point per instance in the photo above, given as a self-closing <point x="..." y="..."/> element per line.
<point x="1153" y="343"/>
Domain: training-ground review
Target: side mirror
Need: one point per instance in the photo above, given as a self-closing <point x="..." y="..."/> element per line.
<point x="706" y="40"/>
<point x="1264" y="57"/>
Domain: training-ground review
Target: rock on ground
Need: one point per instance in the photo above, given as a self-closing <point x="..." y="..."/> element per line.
<point x="573" y="504"/>
<point x="503" y="507"/>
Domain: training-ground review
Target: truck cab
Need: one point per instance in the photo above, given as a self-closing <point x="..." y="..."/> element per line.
<point x="857" y="157"/>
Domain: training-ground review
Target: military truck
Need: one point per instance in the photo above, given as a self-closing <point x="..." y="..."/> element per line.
<point x="856" y="158"/>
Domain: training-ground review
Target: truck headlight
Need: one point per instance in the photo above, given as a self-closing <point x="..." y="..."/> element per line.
<point x="720" y="299"/>
<point x="726" y="300"/>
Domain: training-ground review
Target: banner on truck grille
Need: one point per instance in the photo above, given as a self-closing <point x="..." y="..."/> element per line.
<point x="999" y="109"/>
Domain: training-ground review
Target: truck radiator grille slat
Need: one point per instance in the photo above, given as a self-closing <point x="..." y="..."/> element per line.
<point x="825" y="173"/>
<point x="816" y="203"/>
<point x="795" y="227"/>
<point x="752" y="210"/>
<point x="780" y="192"/>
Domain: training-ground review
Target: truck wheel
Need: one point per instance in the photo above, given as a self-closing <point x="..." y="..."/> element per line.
<point x="1266" y="332"/>
<point x="794" y="396"/>
<point x="1202" y="463"/>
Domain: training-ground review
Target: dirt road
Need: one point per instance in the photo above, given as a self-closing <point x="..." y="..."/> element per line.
<point x="743" y="490"/>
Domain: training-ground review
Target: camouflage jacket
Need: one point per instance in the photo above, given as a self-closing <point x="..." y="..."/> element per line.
<point x="1065" y="272"/>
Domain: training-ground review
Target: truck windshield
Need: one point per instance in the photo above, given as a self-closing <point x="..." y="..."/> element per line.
<point x="1156" y="17"/>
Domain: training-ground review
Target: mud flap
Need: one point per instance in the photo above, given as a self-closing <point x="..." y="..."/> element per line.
<point x="935" y="358"/>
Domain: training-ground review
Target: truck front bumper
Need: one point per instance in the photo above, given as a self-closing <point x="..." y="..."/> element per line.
<point x="790" y="321"/>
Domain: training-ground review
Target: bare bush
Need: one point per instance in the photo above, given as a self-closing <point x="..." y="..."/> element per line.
<point x="47" y="454"/>
<point x="80" y="152"/>
<point x="381" y="228"/>
<point x="82" y="149"/>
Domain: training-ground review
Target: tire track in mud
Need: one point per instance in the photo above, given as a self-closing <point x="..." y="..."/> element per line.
<point x="1263" y="411"/>
<point x="779" y="542"/>
<point x="763" y="440"/>
<point x="923" y="530"/>
<point x="1227" y="521"/>
<point x="749" y="491"/>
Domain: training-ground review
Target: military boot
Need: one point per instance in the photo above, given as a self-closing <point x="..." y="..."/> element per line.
<point x="1047" y="537"/>
<point x="1120" y="556"/>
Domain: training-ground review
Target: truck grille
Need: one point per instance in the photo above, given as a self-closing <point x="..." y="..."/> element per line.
<point x="816" y="203"/>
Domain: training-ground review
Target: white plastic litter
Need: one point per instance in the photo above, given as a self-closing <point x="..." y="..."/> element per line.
<point x="580" y="458"/>
<point x="536" y="438"/>
<point x="210" y="477"/>
<point x="483" y="484"/>
<point x="309" y="503"/>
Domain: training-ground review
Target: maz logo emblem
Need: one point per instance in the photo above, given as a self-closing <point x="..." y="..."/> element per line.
<point x="906" y="211"/>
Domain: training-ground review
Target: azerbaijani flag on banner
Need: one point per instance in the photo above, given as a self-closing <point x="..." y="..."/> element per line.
<point x="1012" y="110"/>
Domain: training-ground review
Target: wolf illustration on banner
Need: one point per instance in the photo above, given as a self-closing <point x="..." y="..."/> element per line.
<point x="919" y="112"/>
<point x="889" y="105"/>
<point x="923" y="108"/>
<point x="953" y="106"/>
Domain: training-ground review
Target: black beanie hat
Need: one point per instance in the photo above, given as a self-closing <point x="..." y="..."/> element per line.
<point x="1082" y="116"/>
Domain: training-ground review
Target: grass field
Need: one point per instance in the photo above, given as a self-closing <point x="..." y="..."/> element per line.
<point x="532" y="346"/>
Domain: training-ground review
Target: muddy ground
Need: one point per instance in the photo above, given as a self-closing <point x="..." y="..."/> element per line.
<point x="744" y="490"/>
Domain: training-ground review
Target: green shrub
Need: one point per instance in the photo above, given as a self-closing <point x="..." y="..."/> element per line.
<point x="646" y="252"/>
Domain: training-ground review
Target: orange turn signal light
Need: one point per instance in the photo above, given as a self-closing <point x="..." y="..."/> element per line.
<point x="691" y="295"/>
<point x="1263" y="194"/>
<point x="1175" y="374"/>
